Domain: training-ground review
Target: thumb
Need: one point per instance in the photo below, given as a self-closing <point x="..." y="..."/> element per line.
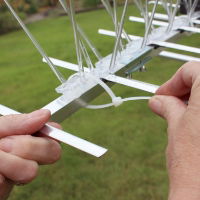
<point x="23" y="123"/>
<point x="168" y="107"/>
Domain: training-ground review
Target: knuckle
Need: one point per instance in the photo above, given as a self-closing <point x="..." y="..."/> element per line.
<point x="196" y="63"/>
<point x="25" y="146"/>
<point x="5" y="144"/>
<point x="191" y="63"/>
<point x="191" y="66"/>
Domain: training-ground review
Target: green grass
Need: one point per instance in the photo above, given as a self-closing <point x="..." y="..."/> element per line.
<point x="134" y="167"/>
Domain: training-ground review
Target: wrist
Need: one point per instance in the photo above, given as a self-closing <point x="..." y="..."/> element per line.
<point x="184" y="194"/>
<point x="184" y="180"/>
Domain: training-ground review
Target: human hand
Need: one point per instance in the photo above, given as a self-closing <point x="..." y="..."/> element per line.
<point x="20" y="152"/>
<point x="183" y="151"/>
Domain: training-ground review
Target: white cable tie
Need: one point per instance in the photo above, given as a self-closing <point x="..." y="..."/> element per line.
<point x="137" y="98"/>
<point x="103" y="85"/>
<point x="117" y="101"/>
<point x="98" y="107"/>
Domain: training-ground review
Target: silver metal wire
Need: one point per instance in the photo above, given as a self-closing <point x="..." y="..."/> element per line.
<point x="69" y="4"/>
<point x="141" y="8"/>
<point x="110" y="11"/>
<point x="36" y="44"/>
<point x="80" y="47"/>
<point x="83" y="35"/>
<point x="89" y="43"/>
<point x="191" y="12"/>
<point x="86" y="56"/>
<point x="173" y="14"/>
<point x="116" y="48"/>
<point x="144" y="42"/>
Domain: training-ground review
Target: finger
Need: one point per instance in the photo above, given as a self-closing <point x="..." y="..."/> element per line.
<point x="40" y="149"/>
<point x="17" y="169"/>
<point x="181" y="83"/>
<point x="168" y="107"/>
<point x="24" y="123"/>
<point x="54" y="124"/>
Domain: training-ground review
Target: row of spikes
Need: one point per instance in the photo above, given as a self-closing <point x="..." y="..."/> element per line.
<point x="81" y="38"/>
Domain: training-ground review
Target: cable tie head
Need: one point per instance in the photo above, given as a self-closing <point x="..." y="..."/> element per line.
<point x="117" y="101"/>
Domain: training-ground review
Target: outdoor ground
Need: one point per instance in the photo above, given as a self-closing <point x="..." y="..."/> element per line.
<point x="134" y="167"/>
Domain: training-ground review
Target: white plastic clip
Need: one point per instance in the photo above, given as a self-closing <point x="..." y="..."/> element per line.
<point x="117" y="101"/>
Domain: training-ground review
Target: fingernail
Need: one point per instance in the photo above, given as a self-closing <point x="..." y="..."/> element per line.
<point x="6" y="144"/>
<point x="155" y="104"/>
<point x="39" y="113"/>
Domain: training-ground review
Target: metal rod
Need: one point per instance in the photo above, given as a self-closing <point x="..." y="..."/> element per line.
<point x="157" y="43"/>
<point x="86" y="56"/>
<point x="171" y="20"/>
<point x="115" y="13"/>
<point x="147" y="17"/>
<point x="178" y="56"/>
<point x="165" y="5"/>
<point x="116" y="22"/>
<point x="84" y="36"/>
<point x="108" y="7"/>
<point x="36" y="44"/>
<point x="132" y="83"/>
<point x="192" y="11"/>
<point x="149" y="25"/>
<point x="161" y="23"/>
<point x="116" y="48"/>
<point x="70" y="9"/>
<point x="143" y="11"/>
<point x="89" y="43"/>
<point x="167" y="54"/>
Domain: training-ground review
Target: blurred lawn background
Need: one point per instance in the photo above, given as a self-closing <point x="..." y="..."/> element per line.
<point x="134" y="167"/>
